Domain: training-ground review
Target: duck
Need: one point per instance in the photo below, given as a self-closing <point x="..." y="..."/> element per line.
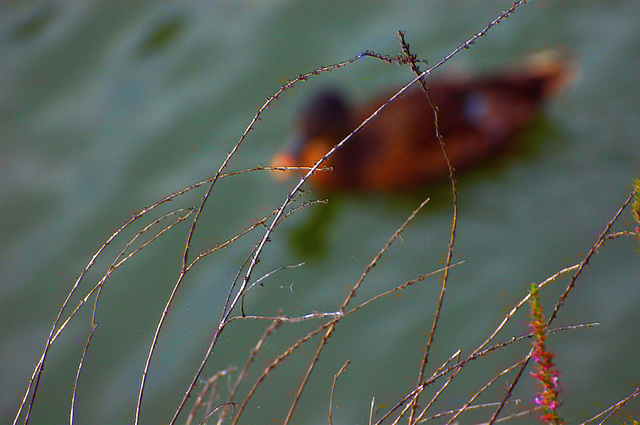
<point x="478" y="117"/>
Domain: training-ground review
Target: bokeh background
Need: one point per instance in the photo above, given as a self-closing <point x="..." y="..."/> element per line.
<point x="107" y="106"/>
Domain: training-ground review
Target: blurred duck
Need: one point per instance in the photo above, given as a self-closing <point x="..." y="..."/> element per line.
<point x="399" y="151"/>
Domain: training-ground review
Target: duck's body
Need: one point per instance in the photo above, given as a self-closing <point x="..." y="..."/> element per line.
<point x="399" y="151"/>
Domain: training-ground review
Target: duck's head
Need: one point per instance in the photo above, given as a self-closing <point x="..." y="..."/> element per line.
<point x="325" y="121"/>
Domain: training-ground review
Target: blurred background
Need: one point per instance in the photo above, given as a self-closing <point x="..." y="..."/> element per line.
<point x="108" y="106"/>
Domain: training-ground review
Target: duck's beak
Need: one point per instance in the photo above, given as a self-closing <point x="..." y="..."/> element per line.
<point x="282" y="159"/>
<point x="287" y="157"/>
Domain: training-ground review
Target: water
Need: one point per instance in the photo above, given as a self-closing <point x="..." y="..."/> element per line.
<point x="109" y="106"/>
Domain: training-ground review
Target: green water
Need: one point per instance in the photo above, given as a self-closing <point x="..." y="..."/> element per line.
<point x="106" y="107"/>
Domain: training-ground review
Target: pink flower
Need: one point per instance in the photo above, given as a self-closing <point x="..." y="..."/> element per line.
<point x="545" y="374"/>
